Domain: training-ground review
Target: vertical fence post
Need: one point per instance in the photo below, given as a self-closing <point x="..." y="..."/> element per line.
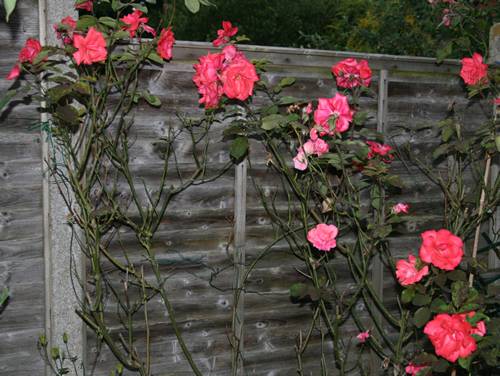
<point x="60" y="260"/>
<point x="494" y="59"/>
<point x="239" y="265"/>
<point x="378" y="265"/>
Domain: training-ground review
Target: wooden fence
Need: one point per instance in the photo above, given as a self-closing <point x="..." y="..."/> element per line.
<point x="197" y="238"/>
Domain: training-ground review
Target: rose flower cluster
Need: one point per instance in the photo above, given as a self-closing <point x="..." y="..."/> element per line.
<point x="227" y="73"/>
<point x="91" y="47"/>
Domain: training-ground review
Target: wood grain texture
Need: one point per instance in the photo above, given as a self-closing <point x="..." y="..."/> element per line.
<point x="21" y="251"/>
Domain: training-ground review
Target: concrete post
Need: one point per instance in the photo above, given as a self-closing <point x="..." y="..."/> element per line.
<point x="62" y="260"/>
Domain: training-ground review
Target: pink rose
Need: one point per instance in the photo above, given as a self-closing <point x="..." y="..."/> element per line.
<point x="14" y="73"/>
<point x="350" y="73"/>
<point x="86" y="5"/>
<point x="206" y="79"/>
<point x="496" y="101"/>
<point x="133" y="21"/>
<point x="224" y="34"/>
<point x="300" y="160"/>
<point x="407" y="272"/>
<point x="317" y="146"/>
<point x="381" y="150"/>
<point x="363" y="336"/>
<point x="29" y="52"/>
<point x="336" y="109"/>
<point x="451" y="336"/>
<point x="400" y="207"/>
<point x="308" y="109"/>
<point x="413" y="369"/>
<point x="238" y="79"/>
<point x="447" y="14"/>
<point x="474" y="71"/>
<point x="323" y="237"/>
<point x="91" y="48"/>
<point x="441" y="249"/>
<point x="166" y="43"/>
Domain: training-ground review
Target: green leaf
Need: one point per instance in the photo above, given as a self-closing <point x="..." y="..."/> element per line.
<point x="239" y="148"/>
<point x="407" y="295"/>
<point x="142" y="8"/>
<point x="441" y="365"/>
<point x="465" y="362"/>
<point x="438" y="305"/>
<point x="421" y="316"/>
<point x="497" y="143"/>
<point x="459" y="293"/>
<point x="444" y="52"/>
<point x="86" y="21"/>
<point x="155" y="58"/>
<point x="4" y="295"/>
<point x="272" y="121"/>
<point x="9" y="6"/>
<point x="286" y="100"/>
<point x="108" y="21"/>
<point x="287" y="81"/>
<point x="153" y="100"/>
<point x="298" y="290"/>
<point x="447" y="132"/>
<point x="7" y="98"/>
<point x="116" y="5"/>
<point x="421" y="300"/>
<point x="192" y="5"/>
<point x="457" y="275"/>
<point x="440" y="150"/>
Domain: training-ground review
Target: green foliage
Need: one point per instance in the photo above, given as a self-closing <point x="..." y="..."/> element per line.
<point x="9" y="6"/>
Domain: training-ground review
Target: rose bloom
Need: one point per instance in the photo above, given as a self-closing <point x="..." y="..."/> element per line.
<point x="166" y="43"/>
<point x="400" y="207"/>
<point x="323" y="237"/>
<point x="446" y="17"/>
<point x="91" y="48"/>
<point x="407" y="272"/>
<point x="224" y="34"/>
<point x="413" y="369"/>
<point x="441" y="249"/>
<point x="496" y="101"/>
<point x="29" y="52"/>
<point x="87" y="5"/>
<point x="336" y="108"/>
<point x="380" y="149"/>
<point x="14" y="73"/>
<point x="64" y="29"/>
<point x="363" y="336"/>
<point x="206" y="79"/>
<point x="308" y="109"/>
<point x="350" y="73"/>
<point x="317" y="146"/>
<point x="134" y="21"/>
<point x="451" y="336"/>
<point x="238" y="79"/>
<point x="300" y="160"/>
<point x="474" y="71"/>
